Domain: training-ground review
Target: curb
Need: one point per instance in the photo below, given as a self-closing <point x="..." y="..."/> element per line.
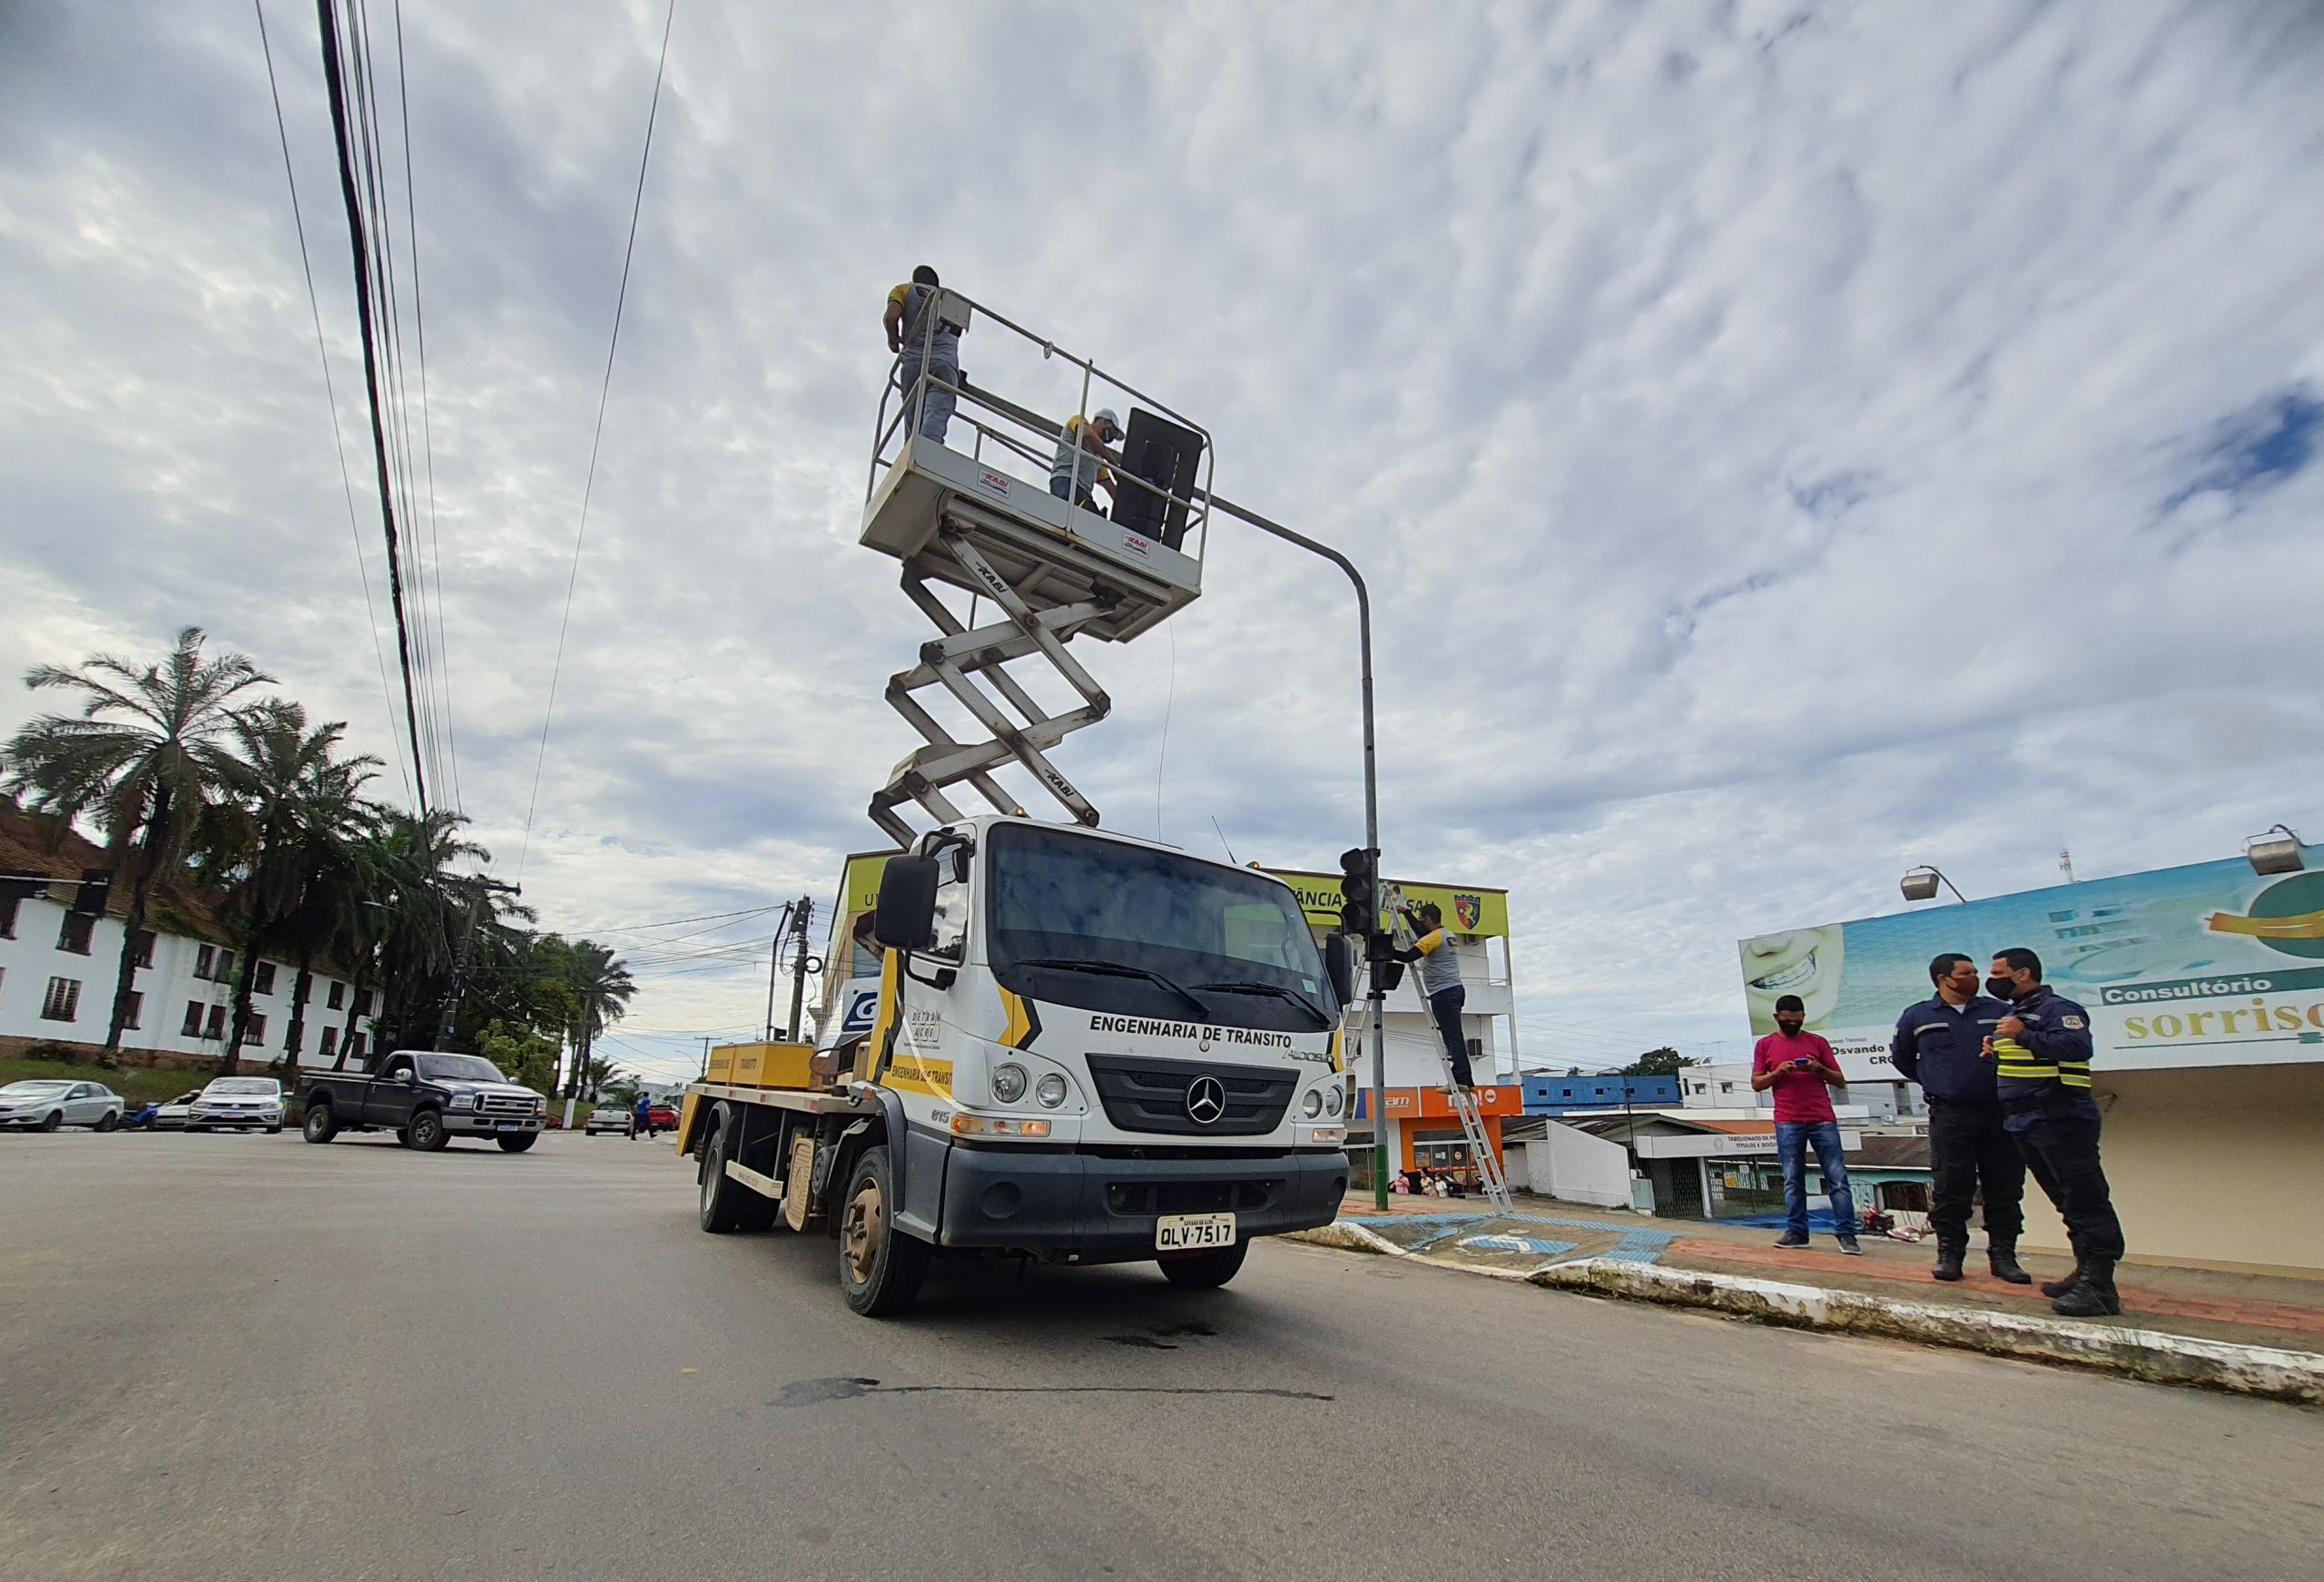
<point x="2148" y="1354"/>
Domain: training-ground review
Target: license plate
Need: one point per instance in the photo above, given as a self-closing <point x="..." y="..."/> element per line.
<point x="512" y="1125"/>
<point x="1185" y="1233"/>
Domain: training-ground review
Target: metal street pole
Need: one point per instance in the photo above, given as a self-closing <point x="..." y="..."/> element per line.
<point x="802" y="918"/>
<point x="1376" y="996"/>
<point x="774" y="968"/>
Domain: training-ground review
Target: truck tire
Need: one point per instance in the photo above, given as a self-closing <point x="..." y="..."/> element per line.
<point x="321" y="1125"/>
<point x="516" y="1143"/>
<point x="426" y="1133"/>
<point x="880" y="1267"/>
<point x="722" y="1208"/>
<point x="1204" y="1270"/>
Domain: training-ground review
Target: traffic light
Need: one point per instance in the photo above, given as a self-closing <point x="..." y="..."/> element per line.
<point x="1359" y="891"/>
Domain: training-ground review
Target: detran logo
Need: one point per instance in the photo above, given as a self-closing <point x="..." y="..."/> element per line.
<point x="2287" y="916"/>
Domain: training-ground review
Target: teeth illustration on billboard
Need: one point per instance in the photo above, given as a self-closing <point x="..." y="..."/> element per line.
<point x="2205" y="965"/>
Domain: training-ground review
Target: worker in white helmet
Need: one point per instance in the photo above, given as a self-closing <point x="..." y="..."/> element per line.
<point x="1083" y="452"/>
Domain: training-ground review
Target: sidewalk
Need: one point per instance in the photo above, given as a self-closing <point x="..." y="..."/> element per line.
<point x="2181" y="1324"/>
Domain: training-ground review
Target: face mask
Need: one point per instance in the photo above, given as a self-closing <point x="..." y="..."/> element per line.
<point x="2001" y="988"/>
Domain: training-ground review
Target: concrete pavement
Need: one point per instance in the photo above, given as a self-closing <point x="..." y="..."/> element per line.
<point x="230" y="1357"/>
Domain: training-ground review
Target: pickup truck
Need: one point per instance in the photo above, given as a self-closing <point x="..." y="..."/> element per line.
<point x="427" y="1099"/>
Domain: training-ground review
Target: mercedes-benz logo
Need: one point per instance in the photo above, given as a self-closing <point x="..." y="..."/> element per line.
<point x="1205" y="1100"/>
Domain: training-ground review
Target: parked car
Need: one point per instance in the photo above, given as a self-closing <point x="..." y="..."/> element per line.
<point x="171" y="1117"/>
<point x="608" y="1117"/>
<point x="426" y="1098"/>
<point x="242" y="1102"/>
<point x="43" y="1105"/>
<point x="663" y="1116"/>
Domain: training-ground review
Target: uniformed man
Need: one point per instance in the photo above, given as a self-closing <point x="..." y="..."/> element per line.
<point x="922" y="347"/>
<point x="1084" y="452"/>
<point x="1440" y="983"/>
<point x="2041" y="1051"/>
<point x="1940" y="1044"/>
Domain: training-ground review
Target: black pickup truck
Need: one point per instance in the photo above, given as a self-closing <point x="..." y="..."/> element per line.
<point x="427" y="1099"/>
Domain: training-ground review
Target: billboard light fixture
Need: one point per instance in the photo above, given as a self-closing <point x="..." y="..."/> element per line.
<point x="1920" y="885"/>
<point x="2275" y="852"/>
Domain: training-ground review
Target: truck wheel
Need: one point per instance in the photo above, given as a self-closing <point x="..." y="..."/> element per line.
<point x="880" y="1267"/>
<point x="518" y="1142"/>
<point x="1204" y="1270"/>
<point x="427" y="1132"/>
<point x="321" y="1125"/>
<point x="722" y="1206"/>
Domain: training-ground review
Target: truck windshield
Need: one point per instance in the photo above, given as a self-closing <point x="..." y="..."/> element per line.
<point x="1165" y="932"/>
<point x="459" y="1068"/>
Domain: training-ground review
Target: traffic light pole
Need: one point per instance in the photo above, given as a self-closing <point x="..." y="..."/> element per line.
<point x="1376" y="997"/>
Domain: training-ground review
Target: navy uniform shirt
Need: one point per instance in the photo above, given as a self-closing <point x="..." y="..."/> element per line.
<point x="1941" y="1047"/>
<point x="2057" y="1031"/>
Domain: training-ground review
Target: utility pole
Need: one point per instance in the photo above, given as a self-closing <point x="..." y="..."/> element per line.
<point x="802" y="916"/>
<point x="775" y="966"/>
<point x="706" y="1061"/>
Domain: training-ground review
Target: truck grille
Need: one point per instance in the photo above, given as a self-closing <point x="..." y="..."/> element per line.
<point x="1150" y="1095"/>
<point x="1189" y="1197"/>
<point x="505" y="1103"/>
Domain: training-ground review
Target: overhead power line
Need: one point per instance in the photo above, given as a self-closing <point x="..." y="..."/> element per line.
<point x="589" y="479"/>
<point x="360" y="246"/>
<point x="330" y="389"/>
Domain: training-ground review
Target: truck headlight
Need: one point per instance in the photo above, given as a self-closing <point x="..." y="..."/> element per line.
<point x="1009" y="1082"/>
<point x="1311" y="1103"/>
<point x="1333" y="1099"/>
<point x="1051" y="1091"/>
<point x="466" y="1101"/>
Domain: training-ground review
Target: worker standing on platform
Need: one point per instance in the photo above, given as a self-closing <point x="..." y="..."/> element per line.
<point x="1440" y="984"/>
<point x="1940" y="1044"/>
<point x="2041" y="1053"/>
<point x="924" y="347"/>
<point x="1082" y="455"/>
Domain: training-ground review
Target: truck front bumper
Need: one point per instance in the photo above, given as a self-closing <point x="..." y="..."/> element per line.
<point x="1040" y="1200"/>
<point x="467" y="1123"/>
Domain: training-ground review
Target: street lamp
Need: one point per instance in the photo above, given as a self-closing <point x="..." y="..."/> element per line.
<point x="1920" y="885"/>
<point x="2274" y="852"/>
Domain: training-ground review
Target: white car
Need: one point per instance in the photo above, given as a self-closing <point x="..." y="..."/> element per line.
<point x="609" y="1118"/>
<point x="45" y="1105"/>
<point x="239" y="1102"/>
<point x="171" y="1117"/>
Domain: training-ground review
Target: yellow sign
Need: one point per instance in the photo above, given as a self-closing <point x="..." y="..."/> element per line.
<point x="1467" y="908"/>
<point x="859" y="890"/>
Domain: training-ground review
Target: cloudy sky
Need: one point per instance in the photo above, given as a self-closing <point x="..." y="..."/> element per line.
<point x="1787" y="442"/>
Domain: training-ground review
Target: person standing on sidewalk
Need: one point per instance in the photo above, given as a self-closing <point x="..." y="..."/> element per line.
<point x="1940" y="1044"/>
<point x="2041" y="1052"/>
<point x="1802" y="1070"/>
<point x="1440" y="985"/>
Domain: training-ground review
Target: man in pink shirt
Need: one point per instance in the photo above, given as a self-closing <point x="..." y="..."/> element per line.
<point x="1802" y="1070"/>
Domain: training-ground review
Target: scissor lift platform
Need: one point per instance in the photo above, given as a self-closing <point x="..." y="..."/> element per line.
<point x="1052" y="553"/>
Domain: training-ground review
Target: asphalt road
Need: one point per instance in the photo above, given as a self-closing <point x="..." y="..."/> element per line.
<point x="244" y="1357"/>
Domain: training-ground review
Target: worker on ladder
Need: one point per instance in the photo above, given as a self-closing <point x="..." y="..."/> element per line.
<point x="1440" y="982"/>
<point x="925" y="348"/>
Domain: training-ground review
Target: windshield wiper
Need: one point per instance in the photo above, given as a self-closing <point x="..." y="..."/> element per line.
<point x="1251" y="985"/>
<point x="1118" y="969"/>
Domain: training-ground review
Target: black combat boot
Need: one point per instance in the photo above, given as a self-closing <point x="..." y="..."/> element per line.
<point x="2055" y="1288"/>
<point x="2001" y="1257"/>
<point x="2092" y="1292"/>
<point x="1948" y="1261"/>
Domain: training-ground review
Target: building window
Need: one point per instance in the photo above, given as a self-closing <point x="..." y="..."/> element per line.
<point x="225" y="973"/>
<point x="136" y="1010"/>
<point x="193" y="1028"/>
<point x="144" y="947"/>
<point x="78" y="929"/>
<point x="1727" y="1087"/>
<point x="255" y="1035"/>
<point x="354" y="1045"/>
<point x="8" y="917"/>
<point x="216" y="1027"/>
<point x="205" y="960"/>
<point x="363" y="1003"/>
<point x="328" y="1046"/>
<point x="338" y="997"/>
<point x="63" y="1001"/>
<point x="263" y="983"/>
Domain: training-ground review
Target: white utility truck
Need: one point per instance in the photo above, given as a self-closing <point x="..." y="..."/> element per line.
<point x="1038" y="1040"/>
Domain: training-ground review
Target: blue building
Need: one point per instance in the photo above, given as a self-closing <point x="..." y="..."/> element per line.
<point x="1558" y="1096"/>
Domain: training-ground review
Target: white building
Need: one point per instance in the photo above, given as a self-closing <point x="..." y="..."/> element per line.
<point x="58" y="967"/>
<point x="1728" y="1087"/>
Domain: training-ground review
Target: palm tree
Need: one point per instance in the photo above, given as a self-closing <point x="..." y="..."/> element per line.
<point x="293" y="806"/>
<point x="602" y="984"/>
<point x="429" y="917"/>
<point x="142" y="761"/>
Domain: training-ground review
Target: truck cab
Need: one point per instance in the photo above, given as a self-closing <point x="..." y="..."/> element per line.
<point x="1083" y="1048"/>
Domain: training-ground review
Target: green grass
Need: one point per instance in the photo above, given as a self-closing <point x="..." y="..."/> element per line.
<point x="134" y="1084"/>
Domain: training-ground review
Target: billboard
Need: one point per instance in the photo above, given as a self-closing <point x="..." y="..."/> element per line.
<point x="2206" y="965"/>
<point x="1468" y="908"/>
